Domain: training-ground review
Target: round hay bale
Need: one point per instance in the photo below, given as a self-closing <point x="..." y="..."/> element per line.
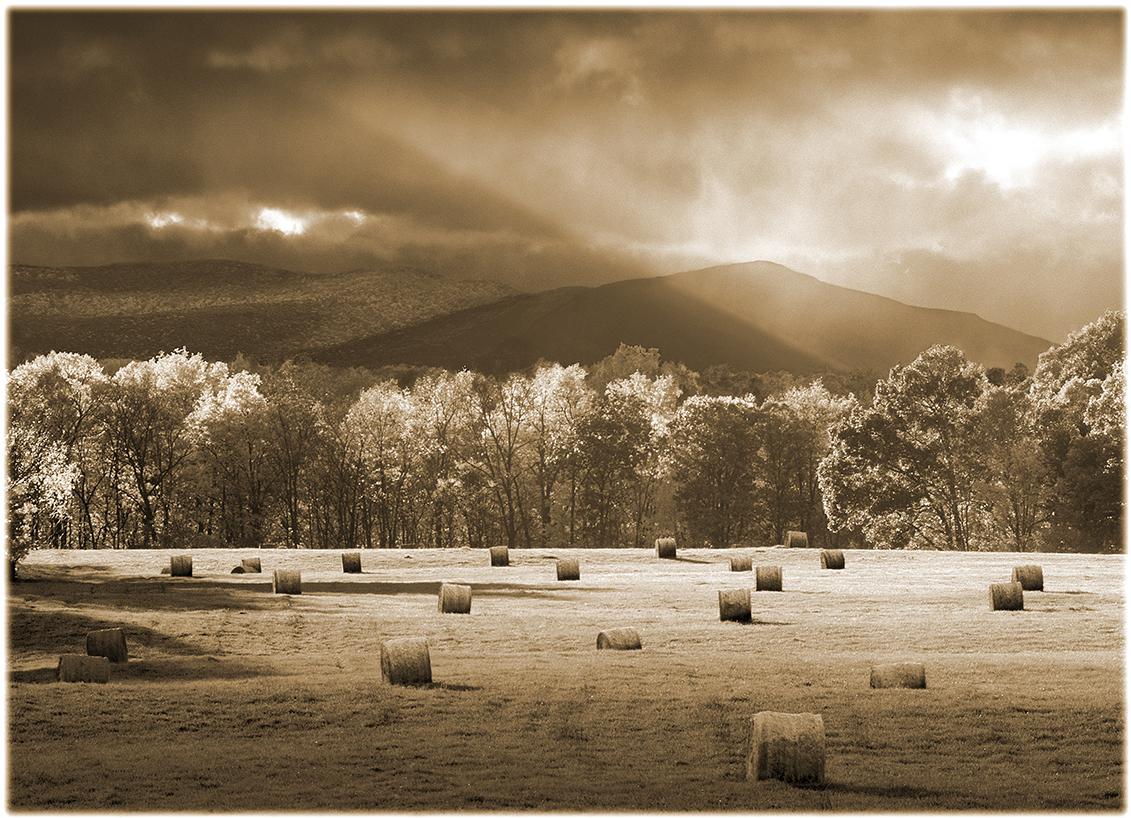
<point x="351" y="562"/>
<point x="500" y="556"/>
<point x="251" y="565"/>
<point x="741" y="563"/>
<point x="406" y="661"/>
<point x="1007" y="596"/>
<point x="180" y="566"/>
<point x="454" y="599"/>
<point x="665" y="548"/>
<point x="110" y="643"/>
<point x="1031" y="577"/>
<point x="618" y="639"/>
<point x="74" y="667"/>
<point x="796" y="539"/>
<point x="239" y="569"/>
<point x="568" y="569"/>
<point x="787" y="746"/>
<point x="832" y="558"/>
<point x="287" y="582"/>
<point x="899" y="674"/>
<point x="767" y="578"/>
<point x="166" y="570"/>
<point x="734" y="605"/>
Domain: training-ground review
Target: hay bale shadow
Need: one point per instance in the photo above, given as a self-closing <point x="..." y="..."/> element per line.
<point x="194" y="669"/>
<point x="897" y="791"/>
<point x="432" y="587"/>
<point x="54" y="631"/>
<point x="461" y="688"/>
<point x="753" y="622"/>
<point x="38" y="675"/>
<point x="546" y="589"/>
<point x="160" y="670"/>
<point x="31" y="574"/>
<point x="157" y="593"/>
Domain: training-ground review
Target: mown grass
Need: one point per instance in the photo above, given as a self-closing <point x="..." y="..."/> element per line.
<point x="237" y="699"/>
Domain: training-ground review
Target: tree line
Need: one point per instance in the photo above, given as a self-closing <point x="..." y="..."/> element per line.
<point x="178" y="451"/>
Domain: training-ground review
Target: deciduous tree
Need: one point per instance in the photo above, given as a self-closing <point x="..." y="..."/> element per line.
<point x="904" y="470"/>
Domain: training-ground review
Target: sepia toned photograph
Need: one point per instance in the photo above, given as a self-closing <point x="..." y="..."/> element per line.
<point x="590" y="410"/>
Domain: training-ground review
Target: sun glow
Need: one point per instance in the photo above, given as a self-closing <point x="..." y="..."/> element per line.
<point x="159" y="220"/>
<point x="1006" y="155"/>
<point x="270" y="218"/>
<point x="1009" y="153"/>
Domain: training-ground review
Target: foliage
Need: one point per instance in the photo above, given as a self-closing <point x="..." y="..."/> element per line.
<point x="53" y="402"/>
<point x="1077" y="395"/>
<point x="714" y="452"/>
<point x="806" y="414"/>
<point x="947" y="458"/>
<point x="40" y="480"/>
<point x="1014" y="482"/>
<point x="177" y="450"/>
<point x="904" y="470"/>
<point x="615" y="452"/>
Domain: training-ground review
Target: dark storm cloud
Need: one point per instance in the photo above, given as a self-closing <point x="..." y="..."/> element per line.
<point x="834" y="140"/>
<point x="320" y="249"/>
<point x="196" y="130"/>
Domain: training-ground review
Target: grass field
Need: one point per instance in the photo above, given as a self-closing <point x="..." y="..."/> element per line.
<point x="237" y="699"/>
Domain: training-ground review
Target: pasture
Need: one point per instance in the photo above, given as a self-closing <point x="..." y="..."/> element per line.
<point x="237" y="699"/>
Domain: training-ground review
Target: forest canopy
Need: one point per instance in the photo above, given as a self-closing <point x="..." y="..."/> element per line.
<point x="178" y="451"/>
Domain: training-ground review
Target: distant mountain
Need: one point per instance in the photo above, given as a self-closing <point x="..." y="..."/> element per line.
<point x="758" y="316"/>
<point x="221" y="307"/>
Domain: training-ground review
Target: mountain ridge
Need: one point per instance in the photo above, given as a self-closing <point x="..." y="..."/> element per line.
<point x="221" y="307"/>
<point x="755" y="315"/>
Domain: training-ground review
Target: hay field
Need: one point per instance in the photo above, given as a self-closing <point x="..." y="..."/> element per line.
<point x="239" y="699"/>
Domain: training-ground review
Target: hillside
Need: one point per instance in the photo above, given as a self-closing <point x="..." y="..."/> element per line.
<point x="221" y="307"/>
<point x="758" y="316"/>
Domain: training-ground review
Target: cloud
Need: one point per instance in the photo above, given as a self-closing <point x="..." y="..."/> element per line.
<point x="976" y="152"/>
<point x="272" y="218"/>
<point x="229" y="225"/>
<point x="973" y="136"/>
<point x="291" y="48"/>
<point x="600" y="63"/>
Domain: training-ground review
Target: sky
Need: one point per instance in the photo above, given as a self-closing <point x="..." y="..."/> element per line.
<point x="965" y="160"/>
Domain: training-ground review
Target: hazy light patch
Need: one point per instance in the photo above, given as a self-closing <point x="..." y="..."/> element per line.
<point x="911" y="182"/>
<point x="1007" y="156"/>
<point x="973" y="139"/>
<point x="159" y="220"/>
<point x="1095" y="141"/>
<point x="218" y="213"/>
<point x="271" y="218"/>
<point x="605" y="61"/>
<point x="293" y="49"/>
